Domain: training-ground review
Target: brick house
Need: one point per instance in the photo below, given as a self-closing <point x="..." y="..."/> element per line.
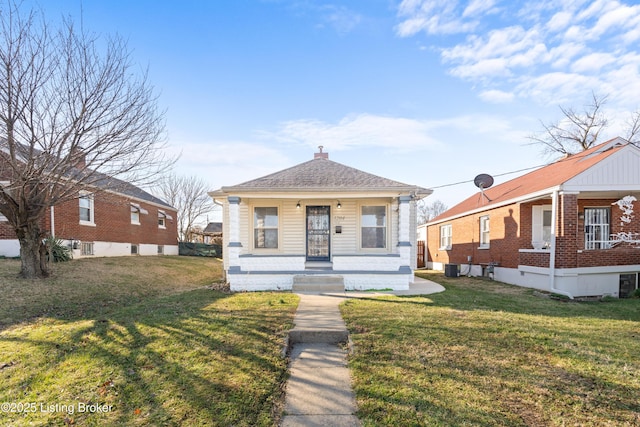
<point x="559" y="228"/>
<point x="126" y="221"/>
<point x="319" y="221"/>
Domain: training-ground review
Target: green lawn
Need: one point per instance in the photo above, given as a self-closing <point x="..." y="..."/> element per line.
<point x="489" y="354"/>
<point x="146" y="340"/>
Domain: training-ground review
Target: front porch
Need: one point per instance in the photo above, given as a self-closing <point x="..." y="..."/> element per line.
<point x="355" y="272"/>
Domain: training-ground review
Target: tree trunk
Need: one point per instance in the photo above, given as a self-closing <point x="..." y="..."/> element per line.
<point x="33" y="252"/>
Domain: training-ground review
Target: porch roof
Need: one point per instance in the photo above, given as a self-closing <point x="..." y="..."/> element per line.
<point x="321" y="175"/>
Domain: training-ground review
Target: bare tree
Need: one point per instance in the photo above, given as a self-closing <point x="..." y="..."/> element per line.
<point x="428" y="211"/>
<point x="576" y="132"/>
<point x="633" y="128"/>
<point x="73" y="117"/>
<point x="189" y="196"/>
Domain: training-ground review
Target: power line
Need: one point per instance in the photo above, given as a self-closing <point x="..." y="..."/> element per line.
<point x="501" y="174"/>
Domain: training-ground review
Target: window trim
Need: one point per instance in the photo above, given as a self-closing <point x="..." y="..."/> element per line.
<point x="487" y="231"/>
<point x="387" y="237"/>
<point x="4" y="184"/>
<point x="278" y="228"/>
<point x="449" y="237"/>
<point x="537" y="226"/>
<point x="86" y="195"/>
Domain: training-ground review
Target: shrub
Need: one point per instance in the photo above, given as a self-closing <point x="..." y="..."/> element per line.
<point x="58" y="250"/>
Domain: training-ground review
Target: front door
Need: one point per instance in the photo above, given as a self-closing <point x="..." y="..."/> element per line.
<point x="318" y="233"/>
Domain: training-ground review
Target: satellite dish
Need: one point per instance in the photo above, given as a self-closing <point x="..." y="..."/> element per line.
<point x="483" y="181"/>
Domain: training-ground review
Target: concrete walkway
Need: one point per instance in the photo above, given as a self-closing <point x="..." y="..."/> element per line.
<point x="319" y="392"/>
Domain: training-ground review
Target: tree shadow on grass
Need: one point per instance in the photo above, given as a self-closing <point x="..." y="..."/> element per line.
<point x="496" y="356"/>
<point x="198" y="357"/>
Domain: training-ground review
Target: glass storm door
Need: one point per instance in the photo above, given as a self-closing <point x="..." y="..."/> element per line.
<point x="318" y="233"/>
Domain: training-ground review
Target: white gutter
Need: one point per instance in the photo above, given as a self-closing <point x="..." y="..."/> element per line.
<point x="522" y="199"/>
<point x="552" y="255"/>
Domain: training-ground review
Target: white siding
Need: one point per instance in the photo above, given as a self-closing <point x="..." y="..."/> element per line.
<point x="619" y="171"/>
<point x="346" y="242"/>
<point x="293" y="228"/>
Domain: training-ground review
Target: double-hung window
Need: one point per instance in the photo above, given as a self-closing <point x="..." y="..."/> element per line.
<point x="484" y="231"/>
<point x="265" y="228"/>
<point x="136" y="211"/>
<point x="85" y="201"/>
<point x="597" y="228"/>
<point x="135" y="215"/>
<point x="373" y="227"/>
<point x="162" y="219"/>
<point x="445" y="236"/>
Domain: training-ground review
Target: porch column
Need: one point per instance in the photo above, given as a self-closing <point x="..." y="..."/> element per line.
<point x="234" y="234"/>
<point x="404" y="229"/>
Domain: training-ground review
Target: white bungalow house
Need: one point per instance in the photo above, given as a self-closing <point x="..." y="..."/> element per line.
<point x="319" y="219"/>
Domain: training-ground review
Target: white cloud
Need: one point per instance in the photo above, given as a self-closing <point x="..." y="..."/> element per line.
<point x="391" y="133"/>
<point x="363" y="130"/>
<point x="549" y="51"/>
<point x="222" y="163"/>
<point x="477" y="7"/>
<point x="559" y="21"/>
<point x="434" y="17"/>
<point x="592" y="63"/>
<point x="497" y="96"/>
<point x="342" y="19"/>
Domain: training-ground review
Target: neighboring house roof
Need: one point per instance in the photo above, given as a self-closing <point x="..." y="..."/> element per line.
<point x="98" y="179"/>
<point x="213" y="227"/>
<point x="546" y="178"/>
<point x="127" y="189"/>
<point x="321" y="174"/>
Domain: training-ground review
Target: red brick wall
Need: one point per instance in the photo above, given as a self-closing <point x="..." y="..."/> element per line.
<point x="566" y="231"/>
<point x="504" y="239"/>
<point x="511" y="230"/>
<point x="535" y="259"/>
<point x="112" y="217"/>
<point x="622" y="254"/>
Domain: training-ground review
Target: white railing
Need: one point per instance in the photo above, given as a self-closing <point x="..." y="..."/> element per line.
<point x="623" y="237"/>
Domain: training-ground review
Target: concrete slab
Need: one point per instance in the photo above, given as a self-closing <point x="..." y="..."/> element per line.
<point x="318" y="320"/>
<point x="319" y="390"/>
<point x="320" y="421"/>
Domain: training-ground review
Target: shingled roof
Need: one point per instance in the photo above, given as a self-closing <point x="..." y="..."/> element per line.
<point x="539" y="180"/>
<point x="321" y="174"/>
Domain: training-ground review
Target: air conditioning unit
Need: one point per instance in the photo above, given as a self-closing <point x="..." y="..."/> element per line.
<point x="451" y="270"/>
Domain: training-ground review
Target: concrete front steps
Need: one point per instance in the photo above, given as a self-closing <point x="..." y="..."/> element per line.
<point x="317" y="283"/>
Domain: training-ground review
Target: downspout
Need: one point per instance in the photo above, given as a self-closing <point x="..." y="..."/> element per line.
<point x="552" y="255"/>
<point x="53" y="222"/>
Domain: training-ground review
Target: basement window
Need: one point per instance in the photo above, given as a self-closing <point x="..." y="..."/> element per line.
<point x="86" y="248"/>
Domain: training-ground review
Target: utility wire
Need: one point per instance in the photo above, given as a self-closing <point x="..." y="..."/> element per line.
<point x="501" y="174"/>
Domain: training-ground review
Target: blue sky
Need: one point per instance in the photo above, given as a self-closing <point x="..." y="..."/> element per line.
<point x="427" y="92"/>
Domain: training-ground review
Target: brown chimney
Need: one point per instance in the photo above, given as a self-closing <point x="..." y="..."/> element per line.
<point x="78" y="157"/>
<point x="321" y="155"/>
